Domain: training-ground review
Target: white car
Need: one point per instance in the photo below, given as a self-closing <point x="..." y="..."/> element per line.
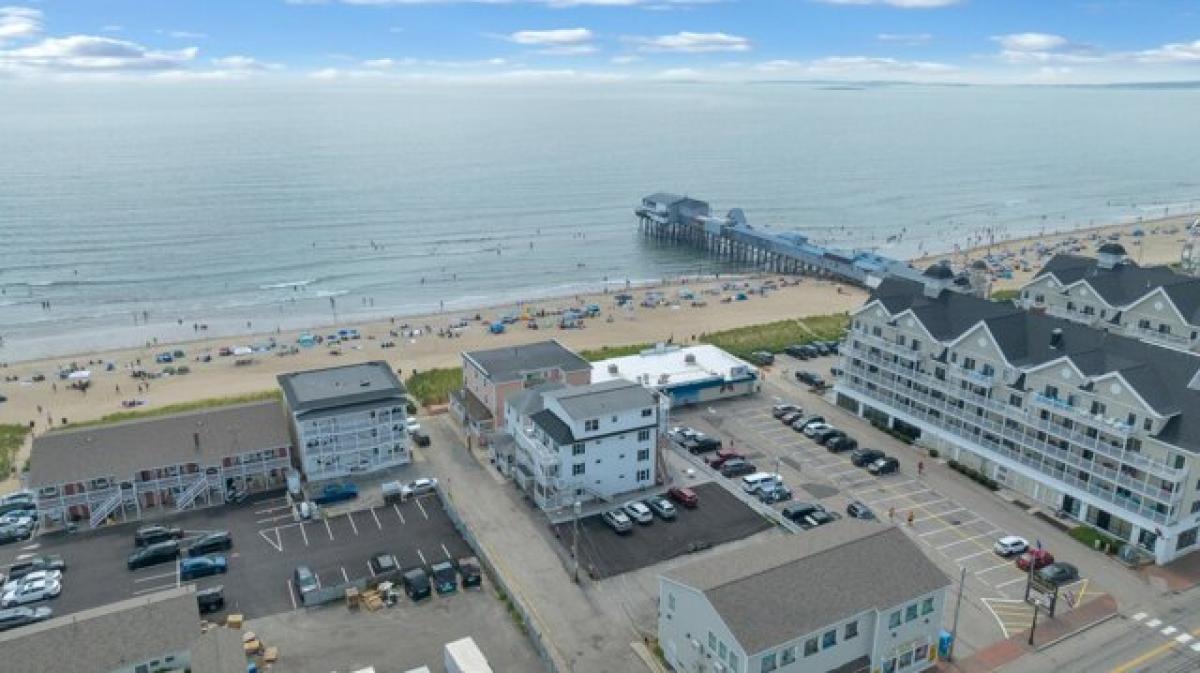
<point x="814" y="428"/>
<point x="639" y="512"/>
<point x="36" y="576"/>
<point x="419" y="487"/>
<point x="31" y="592"/>
<point x="411" y="425"/>
<point x="1011" y="545"/>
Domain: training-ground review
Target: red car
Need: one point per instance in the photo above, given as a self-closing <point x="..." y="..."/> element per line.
<point x="684" y="496"/>
<point x="1039" y="557"/>
<point x="718" y="459"/>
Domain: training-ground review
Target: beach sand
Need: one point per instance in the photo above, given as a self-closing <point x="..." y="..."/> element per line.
<point x="682" y="322"/>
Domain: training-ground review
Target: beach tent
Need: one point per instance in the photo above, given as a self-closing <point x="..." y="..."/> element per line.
<point x="243" y="350"/>
<point x="80" y="375"/>
<point x="307" y="340"/>
<point x="497" y="328"/>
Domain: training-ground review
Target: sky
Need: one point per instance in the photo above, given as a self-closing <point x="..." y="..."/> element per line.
<point x="942" y="41"/>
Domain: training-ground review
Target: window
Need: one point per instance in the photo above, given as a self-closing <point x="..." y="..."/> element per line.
<point x="906" y="659"/>
<point x="646" y="413"/>
<point x="1015" y="400"/>
<point x="810" y="647"/>
<point x="768" y="663"/>
<point x="927" y="606"/>
<point x="1052" y="392"/>
<point x="591" y="425"/>
<point x="1186" y="539"/>
<point x="1098" y="408"/>
<point x="851" y="631"/>
<point x="988" y="370"/>
<point x="916" y="345"/>
<point x="787" y="656"/>
<point x="643" y="435"/>
<point x="1041" y="299"/>
<point x="1070" y="306"/>
<point x="733" y="661"/>
<point x="1164" y="328"/>
<point x="670" y="601"/>
<point x="614" y="419"/>
<point x="577" y="449"/>
<point x="894" y="620"/>
<point x="1196" y="507"/>
<point x="578" y="469"/>
<point x="643" y="475"/>
<point x="1144" y="324"/>
<point x="712" y="641"/>
<point x="829" y="639"/>
<point x="910" y="613"/>
<point x="643" y="455"/>
<point x="1148" y="424"/>
<point x="722" y="650"/>
<point x="968" y="363"/>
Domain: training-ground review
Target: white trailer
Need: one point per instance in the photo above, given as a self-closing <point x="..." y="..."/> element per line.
<point x="463" y="656"/>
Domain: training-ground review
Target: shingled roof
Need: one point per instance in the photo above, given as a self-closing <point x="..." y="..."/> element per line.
<point x="1127" y="282"/>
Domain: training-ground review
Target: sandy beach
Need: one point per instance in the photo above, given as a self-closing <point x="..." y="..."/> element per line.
<point x="48" y="402"/>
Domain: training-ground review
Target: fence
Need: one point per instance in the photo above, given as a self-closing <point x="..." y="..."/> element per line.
<point x="529" y="622"/>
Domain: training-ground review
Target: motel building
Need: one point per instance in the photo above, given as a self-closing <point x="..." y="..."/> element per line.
<point x="156" y="466"/>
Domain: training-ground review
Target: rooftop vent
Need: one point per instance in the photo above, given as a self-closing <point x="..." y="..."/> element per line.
<point x="690" y="358"/>
<point x="1056" y="338"/>
<point x="612" y="368"/>
<point x="364" y="384"/>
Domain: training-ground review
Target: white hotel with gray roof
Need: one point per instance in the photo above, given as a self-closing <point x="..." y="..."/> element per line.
<point x="837" y="599"/>
<point x="1102" y="427"/>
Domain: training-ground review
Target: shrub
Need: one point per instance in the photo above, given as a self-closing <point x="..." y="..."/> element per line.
<point x="1005" y="295"/>
<point x="12" y="435"/>
<point x="433" y="386"/>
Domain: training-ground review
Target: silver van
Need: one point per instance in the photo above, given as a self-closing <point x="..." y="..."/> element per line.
<point x="751" y="483"/>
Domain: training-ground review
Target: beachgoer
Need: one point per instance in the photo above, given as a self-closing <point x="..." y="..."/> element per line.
<point x="911" y="516"/>
<point x="920" y="467"/>
<point x="891" y="513"/>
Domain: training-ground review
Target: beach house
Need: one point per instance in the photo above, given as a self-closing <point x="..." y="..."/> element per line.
<point x="125" y="471"/>
<point x="842" y="599"/>
<point x="347" y="420"/>
<point x="1086" y="422"/>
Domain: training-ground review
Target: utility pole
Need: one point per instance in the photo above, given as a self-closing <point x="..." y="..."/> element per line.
<point x="962" y="587"/>
<point x="576" y="507"/>
<point x="1028" y="590"/>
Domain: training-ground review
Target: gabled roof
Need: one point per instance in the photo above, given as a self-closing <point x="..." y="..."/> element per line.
<point x="1159" y="375"/>
<point x="1127" y="282"/>
<point x="552" y="425"/>
<point x="598" y="399"/>
<point x="772" y="592"/>
<point x="343" y="386"/>
<point x="510" y="363"/>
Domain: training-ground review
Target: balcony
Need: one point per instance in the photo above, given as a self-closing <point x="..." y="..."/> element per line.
<point x="1113" y="426"/>
<point x="1161" y="338"/>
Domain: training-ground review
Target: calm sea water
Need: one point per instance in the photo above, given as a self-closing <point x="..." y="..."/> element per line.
<point x="237" y="203"/>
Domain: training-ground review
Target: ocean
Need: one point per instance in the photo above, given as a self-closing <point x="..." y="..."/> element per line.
<point x="137" y="210"/>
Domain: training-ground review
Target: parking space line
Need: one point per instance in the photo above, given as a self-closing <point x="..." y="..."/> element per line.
<point x="422" y="508"/>
<point x="376" y="517"/>
<point x="991" y="568"/>
<point x="268" y="510"/>
<point x="968" y="557"/>
<point x="1006" y="583"/>
<point x="328" y="529"/>
<point x="157" y="587"/>
<point x="370" y="569"/>
<point x="423" y="561"/>
<point x="345" y="575"/>
<point x="895" y="497"/>
<point x="159" y="576"/>
<point x="949" y="511"/>
<point x="273" y="519"/>
<point x="966" y="539"/>
<point x="263" y="534"/>
<point x="352" y="524"/>
<point x="446" y="551"/>
<point x="304" y="533"/>
<point x="935" y="531"/>
<point x="1153" y="623"/>
<point x="953" y="527"/>
<point x="291" y="594"/>
<point x="397" y="508"/>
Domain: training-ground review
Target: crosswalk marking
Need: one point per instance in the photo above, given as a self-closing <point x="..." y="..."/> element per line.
<point x="1183" y="638"/>
<point x="1154" y="623"/>
<point x="1168" y="631"/>
<point x="1138" y="617"/>
<point x="1196" y="647"/>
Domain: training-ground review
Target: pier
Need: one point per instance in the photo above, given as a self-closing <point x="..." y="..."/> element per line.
<point x="688" y="221"/>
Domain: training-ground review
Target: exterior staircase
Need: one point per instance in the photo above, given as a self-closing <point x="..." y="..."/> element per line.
<point x="108" y="506"/>
<point x="188" y="496"/>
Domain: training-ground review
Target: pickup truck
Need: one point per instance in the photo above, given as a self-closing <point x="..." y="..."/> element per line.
<point x="333" y="493"/>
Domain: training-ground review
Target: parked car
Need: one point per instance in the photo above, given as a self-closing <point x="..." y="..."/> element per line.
<point x="159" y="552"/>
<point x="722" y="456"/>
<point x="791" y="417"/>
<point x="383" y="563"/>
<point x="796" y="351"/>
<point x="420" y="437"/>
<point x="702" y="444"/>
<point x="801" y="424"/>
<point x="30" y="592"/>
<point x="737" y="468"/>
<point x="885" y="465"/>
<point x="13" y="534"/>
<point x="825" y="436"/>
<point x="762" y="358"/>
<point x="810" y="379"/>
<point x="422" y="486"/>
<point x="148" y="535"/>
<point x="12" y="618"/>
<point x="779" y="410"/>
<point x="210" y="543"/>
<point x="468" y="567"/>
<point x="661" y="507"/>
<point x="639" y="512"/>
<point x="22" y="499"/>
<point x="680" y="433"/>
<point x="617" y="520"/>
<point x="416" y="584"/>
<point x="40" y="562"/>
<point x="813" y="429"/>
<point x="810" y="350"/>
<point x="1010" y="545"/>
<point x="859" y="510"/>
<point x="1059" y="573"/>
<point x="37" y="576"/>
<point x="834" y="346"/>
<point x="305" y="580"/>
<point x="774" y="494"/>
<point x="864" y="457"/>
<point x="211" y="599"/>
<point x="684" y="496"/>
<point x="335" y="493"/>
<point x="842" y="444"/>
<point x="445" y="577"/>
<point x="1040" y="558"/>
<point x="203" y="566"/>
<point x="815" y="519"/>
<point x="751" y="483"/>
<point x="796" y="512"/>
<point x="822" y="349"/>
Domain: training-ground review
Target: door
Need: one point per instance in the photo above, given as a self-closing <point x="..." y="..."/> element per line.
<point x="1070" y="505"/>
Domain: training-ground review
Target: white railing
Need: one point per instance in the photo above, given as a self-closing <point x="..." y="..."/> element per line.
<point x="101" y="511"/>
<point x="189" y="494"/>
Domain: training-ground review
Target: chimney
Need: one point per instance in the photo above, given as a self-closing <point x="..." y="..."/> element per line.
<point x="1056" y="338"/>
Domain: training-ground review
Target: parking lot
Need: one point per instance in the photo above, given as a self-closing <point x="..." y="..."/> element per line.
<point x="719" y="518"/>
<point x="267" y="545"/>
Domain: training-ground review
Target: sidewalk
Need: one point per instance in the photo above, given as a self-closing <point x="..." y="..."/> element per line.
<point x="590" y="633"/>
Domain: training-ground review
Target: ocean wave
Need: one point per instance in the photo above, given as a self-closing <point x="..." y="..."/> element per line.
<point x="332" y="293"/>
<point x="281" y="286"/>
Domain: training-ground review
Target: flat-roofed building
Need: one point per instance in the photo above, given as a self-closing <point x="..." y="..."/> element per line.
<point x="124" y="471"/>
<point x="685" y="374"/>
<point x="155" y="632"/>
<point x="347" y="420"/>
<point x="838" y="599"/>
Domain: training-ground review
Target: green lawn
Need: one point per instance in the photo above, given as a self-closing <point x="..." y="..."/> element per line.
<point x="433" y="386"/>
<point x="1005" y="295"/>
<point x="12" y="435"/>
<point x="1088" y="536"/>
<point x="182" y="407"/>
<point x="606" y="352"/>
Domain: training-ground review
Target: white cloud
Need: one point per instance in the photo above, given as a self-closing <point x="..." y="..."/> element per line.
<point x="91" y="54"/>
<point x="648" y="4"/>
<point x="238" y="62"/>
<point x="19" y="22"/>
<point x="559" y="42"/>
<point x="910" y="39"/>
<point x="1186" y="52"/>
<point x="695" y="43"/>
<point x="182" y="34"/>
<point x="625" y="59"/>
<point x="679" y="74"/>
<point x="902" y="4"/>
<point x="380" y="63"/>
<point x="1031" y="41"/>
<point x="859" y="67"/>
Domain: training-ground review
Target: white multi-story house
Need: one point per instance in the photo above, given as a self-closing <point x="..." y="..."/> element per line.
<point x="1101" y="427"/>
<point x="347" y="420"/>
<point x="582" y="443"/>
<point x="837" y="599"/>
<point x="1110" y="291"/>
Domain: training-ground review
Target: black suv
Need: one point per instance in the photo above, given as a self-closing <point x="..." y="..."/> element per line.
<point x="148" y="535"/>
<point x="211" y="599"/>
<point x="210" y="543"/>
<point x="796" y="351"/>
<point x="798" y="511"/>
<point x="416" y="584"/>
<point x="864" y="457"/>
<point x="703" y="444"/>
<point x="445" y="577"/>
<point x="468" y="567"/>
<point x="840" y="444"/>
<point x="737" y="468"/>
<point x="811" y="379"/>
<point x="159" y="552"/>
<point x="825" y="436"/>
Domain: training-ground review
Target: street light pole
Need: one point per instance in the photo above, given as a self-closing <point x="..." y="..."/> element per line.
<point x="577" y="507"/>
<point x="962" y="581"/>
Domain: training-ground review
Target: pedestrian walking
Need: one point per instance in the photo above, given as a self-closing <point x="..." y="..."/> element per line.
<point x="911" y="516"/>
<point x="891" y="513"/>
<point x="920" y="468"/>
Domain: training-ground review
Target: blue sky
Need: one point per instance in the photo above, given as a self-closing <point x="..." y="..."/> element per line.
<point x="974" y="41"/>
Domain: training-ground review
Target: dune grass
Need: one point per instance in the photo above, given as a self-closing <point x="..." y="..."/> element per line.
<point x="433" y="386"/>
<point x="182" y="407"/>
<point x="775" y="336"/>
<point x="12" y="435"/>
